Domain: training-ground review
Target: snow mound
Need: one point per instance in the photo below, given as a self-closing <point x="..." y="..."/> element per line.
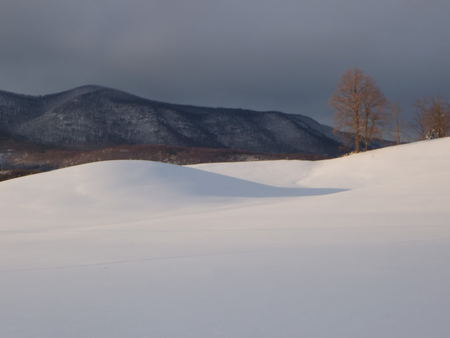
<point x="127" y="188"/>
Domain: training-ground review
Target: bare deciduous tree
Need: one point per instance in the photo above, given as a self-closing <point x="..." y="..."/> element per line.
<point x="360" y="107"/>
<point x="432" y="118"/>
<point x="396" y="122"/>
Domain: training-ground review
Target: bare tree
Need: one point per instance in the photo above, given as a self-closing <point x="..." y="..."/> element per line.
<point x="396" y="122"/>
<point x="374" y="117"/>
<point x="432" y="118"/>
<point x="359" y="107"/>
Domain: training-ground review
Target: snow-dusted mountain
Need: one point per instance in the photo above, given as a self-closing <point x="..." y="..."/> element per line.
<point x="94" y="117"/>
<point x="352" y="247"/>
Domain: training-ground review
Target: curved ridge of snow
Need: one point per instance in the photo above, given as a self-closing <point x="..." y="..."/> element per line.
<point x="382" y="166"/>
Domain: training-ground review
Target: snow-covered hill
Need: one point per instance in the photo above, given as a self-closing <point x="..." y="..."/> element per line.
<point x="352" y="247"/>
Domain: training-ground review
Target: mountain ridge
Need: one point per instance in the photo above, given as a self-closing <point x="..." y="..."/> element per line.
<point x="92" y="117"/>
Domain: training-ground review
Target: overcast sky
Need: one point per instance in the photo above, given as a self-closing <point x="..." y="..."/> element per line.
<point x="262" y="54"/>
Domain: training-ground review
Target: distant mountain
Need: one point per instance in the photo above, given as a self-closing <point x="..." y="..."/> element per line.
<point x="94" y="117"/>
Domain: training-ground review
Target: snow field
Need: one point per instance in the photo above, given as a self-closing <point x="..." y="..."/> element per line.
<point x="351" y="247"/>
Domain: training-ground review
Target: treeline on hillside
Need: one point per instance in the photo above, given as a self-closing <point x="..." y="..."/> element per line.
<point x="362" y="110"/>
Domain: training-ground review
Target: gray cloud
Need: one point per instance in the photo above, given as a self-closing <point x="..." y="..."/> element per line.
<point x="262" y="54"/>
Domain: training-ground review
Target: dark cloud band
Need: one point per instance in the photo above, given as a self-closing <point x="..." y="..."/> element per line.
<point x="262" y="54"/>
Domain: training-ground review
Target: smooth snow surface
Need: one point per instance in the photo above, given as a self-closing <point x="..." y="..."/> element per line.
<point x="352" y="247"/>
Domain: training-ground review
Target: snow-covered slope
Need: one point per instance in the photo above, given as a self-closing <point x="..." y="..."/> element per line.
<point x="352" y="247"/>
<point x="383" y="166"/>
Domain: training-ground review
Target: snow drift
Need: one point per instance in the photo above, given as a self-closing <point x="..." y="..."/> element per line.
<point x="352" y="247"/>
<point x="126" y="189"/>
